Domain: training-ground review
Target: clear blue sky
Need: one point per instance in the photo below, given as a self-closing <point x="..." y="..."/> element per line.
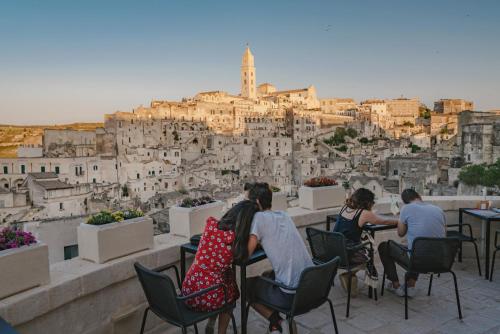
<point x="65" y="61"/>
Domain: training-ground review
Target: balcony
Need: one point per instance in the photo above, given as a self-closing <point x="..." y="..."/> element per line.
<point x="84" y="297"/>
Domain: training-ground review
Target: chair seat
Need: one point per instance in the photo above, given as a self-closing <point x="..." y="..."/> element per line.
<point x="458" y="235"/>
<point x="288" y="310"/>
<point x="191" y="317"/>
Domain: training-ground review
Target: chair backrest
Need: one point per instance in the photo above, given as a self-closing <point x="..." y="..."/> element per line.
<point x="433" y="255"/>
<point x="327" y="245"/>
<point x="160" y="293"/>
<point x="314" y="286"/>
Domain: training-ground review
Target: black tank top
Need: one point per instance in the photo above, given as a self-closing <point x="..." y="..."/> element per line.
<point x="349" y="227"/>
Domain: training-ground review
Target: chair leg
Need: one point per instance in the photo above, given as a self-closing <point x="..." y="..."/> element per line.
<point x="144" y="319"/>
<point x="195" y="328"/>
<point x="406" y="296"/>
<point x="184" y="330"/>
<point x="349" y="286"/>
<point x="430" y="285"/>
<point x="290" y="326"/>
<point x="493" y="264"/>
<point x="456" y="293"/>
<point x="333" y="316"/>
<point x="477" y="258"/>
<point x="383" y="284"/>
<point x="233" y="320"/>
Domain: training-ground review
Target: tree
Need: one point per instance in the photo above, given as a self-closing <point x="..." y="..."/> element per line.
<point x="484" y="175"/>
<point x="415" y="148"/>
<point x="342" y="148"/>
<point x="352" y="132"/>
<point x="363" y="140"/>
<point x="410" y="124"/>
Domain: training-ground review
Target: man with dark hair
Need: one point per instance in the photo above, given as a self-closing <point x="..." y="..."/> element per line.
<point x="417" y="219"/>
<point x="285" y="249"/>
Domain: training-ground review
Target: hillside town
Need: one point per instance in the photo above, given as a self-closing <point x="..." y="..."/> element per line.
<point x="212" y="143"/>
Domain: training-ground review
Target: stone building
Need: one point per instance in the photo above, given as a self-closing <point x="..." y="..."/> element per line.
<point x="452" y="106"/>
<point x="479" y="136"/>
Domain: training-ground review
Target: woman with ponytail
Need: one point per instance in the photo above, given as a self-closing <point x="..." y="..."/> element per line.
<point x="357" y="212"/>
<point x="222" y="242"/>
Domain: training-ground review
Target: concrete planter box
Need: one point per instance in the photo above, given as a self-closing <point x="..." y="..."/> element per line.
<point x="279" y="202"/>
<point x="315" y="198"/>
<point x="23" y="268"/>
<point x="101" y="243"/>
<point x="187" y="222"/>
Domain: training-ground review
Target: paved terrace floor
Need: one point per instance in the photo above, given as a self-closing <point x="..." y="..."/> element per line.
<point x="433" y="314"/>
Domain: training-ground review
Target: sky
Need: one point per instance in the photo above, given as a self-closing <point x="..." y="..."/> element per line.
<point x="74" y="61"/>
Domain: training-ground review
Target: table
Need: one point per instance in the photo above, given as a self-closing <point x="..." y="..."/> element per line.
<point x="487" y="216"/>
<point x="257" y="256"/>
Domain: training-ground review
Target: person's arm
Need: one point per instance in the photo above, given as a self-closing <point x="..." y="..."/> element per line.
<point x="252" y="244"/>
<point x="372" y="218"/>
<point x="402" y="229"/>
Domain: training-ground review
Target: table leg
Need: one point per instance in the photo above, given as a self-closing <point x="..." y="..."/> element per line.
<point x="487" y="250"/>
<point x="328" y="224"/>
<point x="243" y="284"/>
<point x="460" y="228"/>
<point x="183" y="264"/>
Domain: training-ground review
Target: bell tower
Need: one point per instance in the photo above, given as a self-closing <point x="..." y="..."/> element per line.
<point x="248" y="75"/>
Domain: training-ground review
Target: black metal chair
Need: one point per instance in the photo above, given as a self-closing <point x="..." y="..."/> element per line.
<point x="462" y="237"/>
<point x="167" y="305"/>
<point x="327" y="245"/>
<point x="497" y="248"/>
<point x="312" y="291"/>
<point x="428" y="256"/>
<point x="5" y="328"/>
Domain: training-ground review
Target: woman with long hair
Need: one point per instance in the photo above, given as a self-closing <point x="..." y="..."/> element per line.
<point x="356" y="213"/>
<point x="221" y="243"/>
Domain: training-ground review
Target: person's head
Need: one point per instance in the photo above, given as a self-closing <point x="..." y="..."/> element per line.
<point x="261" y="194"/>
<point x="245" y="210"/>
<point x="246" y="188"/>
<point x="410" y="195"/>
<point x="362" y="198"/>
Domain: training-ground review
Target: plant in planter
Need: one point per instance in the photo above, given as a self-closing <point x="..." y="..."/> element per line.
<point x="320" y="182"/>
<point x="275" y="189"/>
<point x="106" y="217"/>
<point x="27" y="261"/>
<point x="10" y="238"/>
<point x="109" y="235"/>
<point x="193" y="202"/>
<point x="189" y="217"/>
<point x="321" y="193"/>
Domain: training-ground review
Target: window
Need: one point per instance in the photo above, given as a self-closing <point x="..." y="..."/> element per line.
<point x="5" y="170"/>
<point x="94" y="180"/>
<point x="95" y="167"/>
<point x="57" y="170"/>
<point x="138" y="176"/>
<point x="395" y="172"/>
<point x="42" y="169"/>
<point x="70" y="252"/>
<point x="76" y="171"/>
<point x="61" y="206"/>
<point x="23" y="169"/>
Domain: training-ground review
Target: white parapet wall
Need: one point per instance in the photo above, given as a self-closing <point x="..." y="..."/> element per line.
<point x="89" y="298"/>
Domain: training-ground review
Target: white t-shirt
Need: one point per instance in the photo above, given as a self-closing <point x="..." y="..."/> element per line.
<point x="283" y="245"/>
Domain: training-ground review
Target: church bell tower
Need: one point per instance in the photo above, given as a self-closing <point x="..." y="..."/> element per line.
<point x="248" y="75"/>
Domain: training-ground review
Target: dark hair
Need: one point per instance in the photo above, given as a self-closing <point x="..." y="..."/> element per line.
<point x="248" y="186"/>
<point x="262" y="192"/>
<point x="362" y="198"/>
<point x="409" y="195"/>
<point x="228" y="221"/>
<point x="245" y="212"/>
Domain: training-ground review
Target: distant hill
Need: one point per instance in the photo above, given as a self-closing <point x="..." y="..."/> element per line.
<point x="12" y="136"/>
